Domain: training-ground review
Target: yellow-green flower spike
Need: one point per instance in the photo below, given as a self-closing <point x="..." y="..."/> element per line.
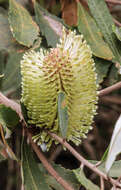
<point x="69" y="68"/>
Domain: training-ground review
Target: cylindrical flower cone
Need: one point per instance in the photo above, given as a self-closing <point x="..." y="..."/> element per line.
<point x="68" y="68"/>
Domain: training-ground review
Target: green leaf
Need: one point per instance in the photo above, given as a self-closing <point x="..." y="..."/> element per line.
<point x="24" y="112"/>
<point x="32" y="177"/>
<point x="7" y="42"/>
<point x="50" y="25"/>
<point x="66" y="174"/>
<point x="115" y="171"/>
<point x="117" y="31"/>
<point x="84" y="181"/>
<point x="23" y="28"/>
<point x="102" y="68"/>
<point x="92" y="34"/>
<point x="2" y="156"/>
<point x="62" y="114"/>
<point x="2" y="65"/>
<point x="105" y="155"/>
<point x="104" y="20"/>
<point x="113" y="75"/>
<point x="8" y="117"/>
<point x="11" y="80"/>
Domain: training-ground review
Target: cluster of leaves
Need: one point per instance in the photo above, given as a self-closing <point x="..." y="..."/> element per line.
<point x="26" y="25"/>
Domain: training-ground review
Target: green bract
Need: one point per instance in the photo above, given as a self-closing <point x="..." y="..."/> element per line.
<point x="69" y="68"/>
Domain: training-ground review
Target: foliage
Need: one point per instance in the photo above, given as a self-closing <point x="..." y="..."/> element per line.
<point x="25" y="26"/>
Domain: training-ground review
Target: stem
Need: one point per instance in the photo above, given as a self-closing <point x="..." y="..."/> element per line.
<point x="4" y="100"/>
<point x="70" y="148"/>
<point x="83" y="160"/>
<point x="101" y="183"/>
<point x="48" y="166"/>
<point x="113" y="1"/>
<point x="117" y="22"/>
<point x="111" y="100"/>
<point x="110" y="89"/>
<point x="10" y="103"/>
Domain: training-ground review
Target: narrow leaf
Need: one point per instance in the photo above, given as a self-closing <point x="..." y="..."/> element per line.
<point x="7" y="42"/>
<point x="104" y="20"/>
<point x="7" y="149"/>
<point x="33" y="178"/>
<point x="115" y="147"/>
<point x="62" y="114"/>
<point x="2" y="158"/>
<point x="115" y="170"/>
<point x="8" y="117"/>
<point x="102" y="68"/>
<point x="113" y="75"/>
<point x="50" y="25"/>
<point x="84" y="181"/>
<point x="66" y="174"/>
<point x="105" y="155"/>
<point x="92" y="34"/>
<point x="2" y="66"/>
<point x="24" y="112"/>
<point x="117" y="31"/>
<point x="3" y="154"/>
<point x="12" y="80"/>
<point x="23" y="28"/>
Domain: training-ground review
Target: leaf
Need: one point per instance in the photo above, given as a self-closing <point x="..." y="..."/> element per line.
<point x="8" y="117"/>
<point x="50" y="25"/>
<point x="69" y="12"/>
<point x="2" y="158"/>
<point x="32" y="177"/>
<point x="105" y="155"/>
<point x="92" y="34"/>
<point x="7" y="148"/>
<point x="23" y="28"/>
<point x="7" y="41"/>
<point x="113" y="75"/>
<point x="2" y="66"/>
<point x="3" y="154"/>
<point x="114" y="171"/>
<point x="24" y="112"/>
<point x="117" y="31"/>
<point x="114" y="148"/>
<point x="84" y="181"/>
<point x="102" y="68"/>
<point x="66" y="174"/>
<point x="11" y="79"/>
<point x="104" y="20"/>
<point x="62" y="114"/>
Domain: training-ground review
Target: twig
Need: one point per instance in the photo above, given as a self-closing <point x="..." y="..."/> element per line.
<point x="7" y="147"/>
<point x="83" y="160"/>
<point x="101" y="183"/>
<point x="110" y="89"/>
<point x="70" y="148"/>
<point x="22" y="187"/>
<point x="113" y="1"/>
<point x="117" y="22"/>
<point x="4" y="100"/>
<point x="111" y="99"/>
<point x="47" y="165"/>
<point x="10" y="103"/>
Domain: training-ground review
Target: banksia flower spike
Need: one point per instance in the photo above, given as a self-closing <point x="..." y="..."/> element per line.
<point x="68" y="68"/>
